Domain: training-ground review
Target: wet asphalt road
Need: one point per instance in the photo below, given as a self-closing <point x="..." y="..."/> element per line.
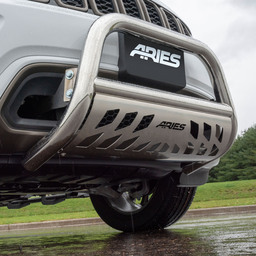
<point x="229" y="235"/>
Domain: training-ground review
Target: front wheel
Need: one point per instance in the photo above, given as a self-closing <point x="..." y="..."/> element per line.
<point x="159" y="208"/>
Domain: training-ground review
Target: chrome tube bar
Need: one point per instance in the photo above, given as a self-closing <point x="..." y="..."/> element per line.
<point x="116" y="88"/>
<point x="84" y="91"/>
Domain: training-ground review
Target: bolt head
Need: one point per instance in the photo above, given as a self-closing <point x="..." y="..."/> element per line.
<point x="69" y="74"/>
<point x="69" y="93"/>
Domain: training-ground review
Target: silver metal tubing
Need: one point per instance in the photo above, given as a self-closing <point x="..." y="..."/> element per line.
<point x="88" y="71"/>
<point x="116" y="88"/>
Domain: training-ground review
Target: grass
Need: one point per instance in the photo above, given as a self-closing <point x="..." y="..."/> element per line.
<point x="69" y="209"/>
<point x="232" y="193"/>
<point x="209" y="195"/>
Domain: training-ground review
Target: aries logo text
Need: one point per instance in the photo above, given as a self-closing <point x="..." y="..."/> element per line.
<point x="158" y="56"/>
<point x="172" y="126"/>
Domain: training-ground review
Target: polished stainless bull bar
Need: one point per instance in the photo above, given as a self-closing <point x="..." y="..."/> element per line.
<point x="88" y="85"/>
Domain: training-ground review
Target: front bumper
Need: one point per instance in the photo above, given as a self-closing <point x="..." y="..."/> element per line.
<point x="113" y="120"/>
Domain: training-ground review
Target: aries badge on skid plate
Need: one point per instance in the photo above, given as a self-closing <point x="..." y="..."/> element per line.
<point x="172" y="126"/>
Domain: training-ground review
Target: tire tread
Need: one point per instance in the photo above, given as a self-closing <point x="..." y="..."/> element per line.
<point x="169" y="204"/>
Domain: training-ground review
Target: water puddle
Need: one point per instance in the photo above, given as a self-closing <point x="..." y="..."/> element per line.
<point x="209" y="236"/>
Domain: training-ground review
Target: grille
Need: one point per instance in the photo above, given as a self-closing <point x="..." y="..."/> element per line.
<point x="153" y="13"/>
<point x="105" y="6"/>
<point x="131" y="8"/>
<point x="187" y="32"/>
<point x="171" y="21"/>
<point x="134" y="8"/>
<point x="75" y="3"/>
<point x="79" y="5"/>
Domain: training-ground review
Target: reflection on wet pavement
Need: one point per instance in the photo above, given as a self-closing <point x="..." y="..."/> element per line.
<point x="219" y="236"/>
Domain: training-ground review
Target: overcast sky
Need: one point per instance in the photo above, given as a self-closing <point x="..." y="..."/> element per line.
<point x="228" y="27"/>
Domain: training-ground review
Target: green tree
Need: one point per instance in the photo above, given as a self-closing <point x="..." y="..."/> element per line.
<point x="240" y="162"/>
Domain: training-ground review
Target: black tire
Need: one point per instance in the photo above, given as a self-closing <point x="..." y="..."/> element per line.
<point x="167" y="204"/>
